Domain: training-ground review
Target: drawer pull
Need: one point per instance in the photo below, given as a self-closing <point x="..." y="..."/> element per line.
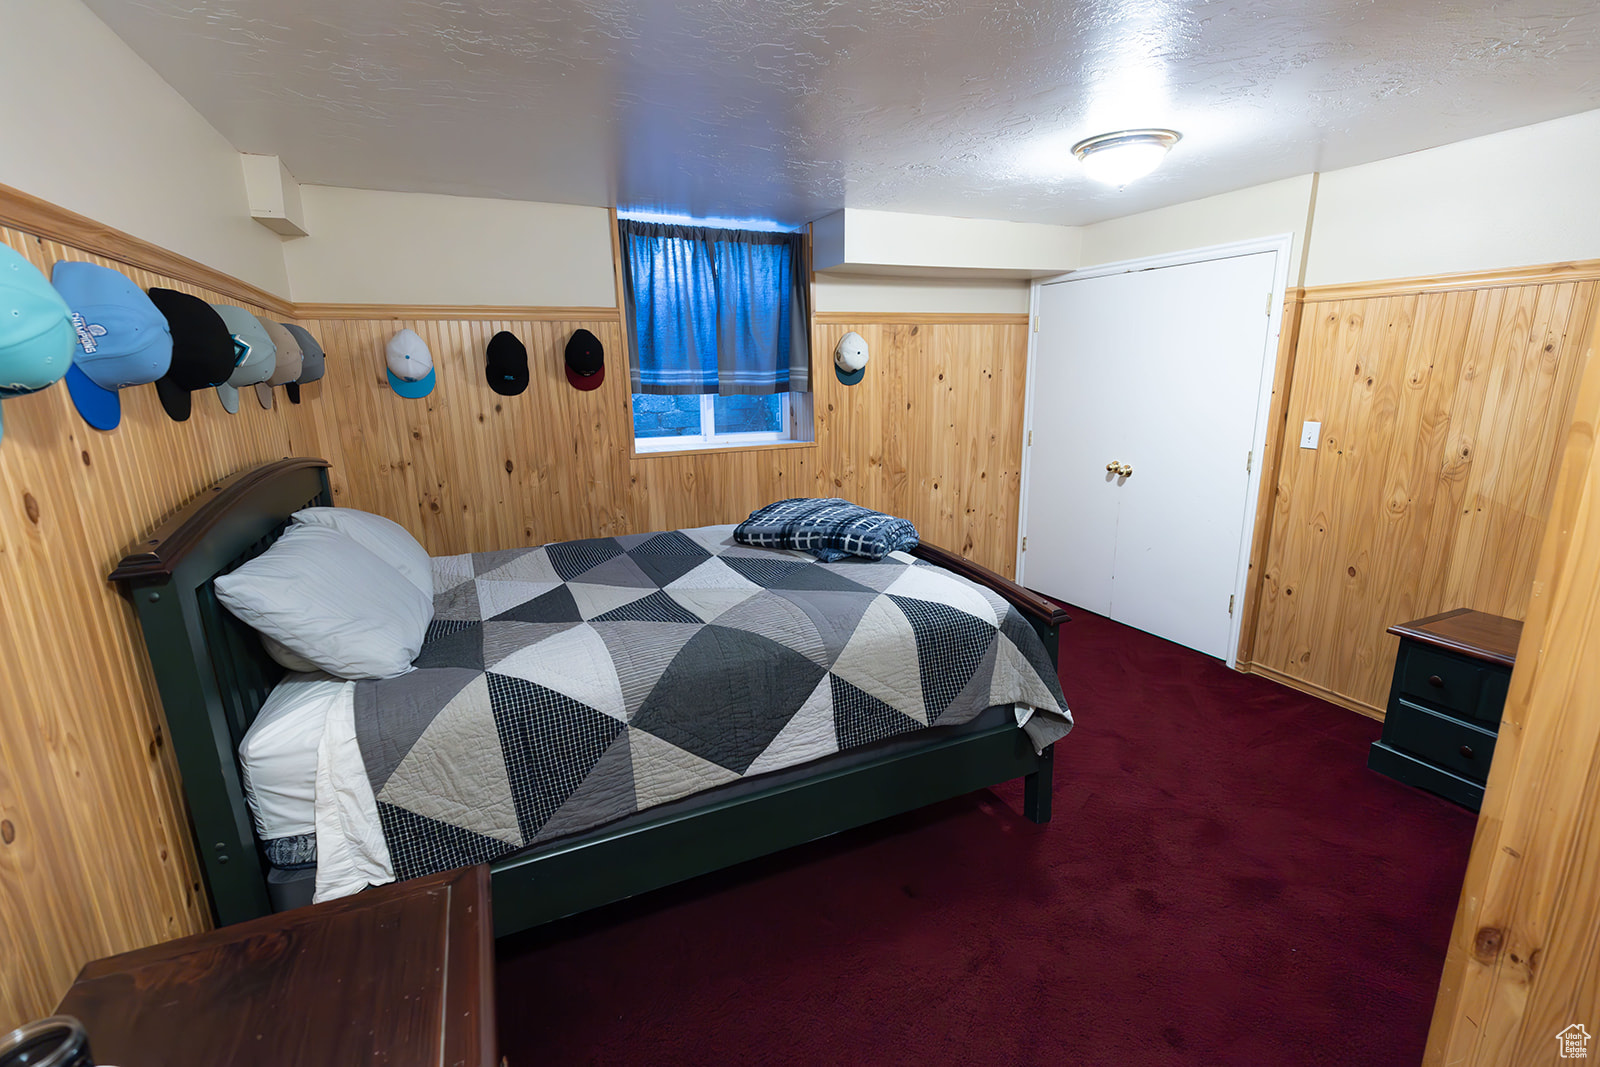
<point x="1436" y="681"/>
<point x="1466" y="751"/>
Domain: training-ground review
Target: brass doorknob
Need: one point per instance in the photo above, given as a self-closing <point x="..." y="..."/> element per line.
<point x="1111" y="468"/>
<point x="1124" y="470"/>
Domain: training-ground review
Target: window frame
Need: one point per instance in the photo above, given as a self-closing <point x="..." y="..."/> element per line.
<point x="791" y="403"/>
<point x="799" y="408"/>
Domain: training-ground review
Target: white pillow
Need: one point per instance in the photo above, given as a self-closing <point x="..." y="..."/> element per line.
<point x="284" y="657"/>
<point x="278" y="756"/>
<point x="384" y="538"/>
<point x="327" y="599"/>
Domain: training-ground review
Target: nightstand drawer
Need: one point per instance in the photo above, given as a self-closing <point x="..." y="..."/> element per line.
<point x="1452" y="682"/>
<point x="1440" y="739"/>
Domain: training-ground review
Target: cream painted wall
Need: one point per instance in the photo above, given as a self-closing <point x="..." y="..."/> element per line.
<point x="1518" y="198"/>
<point x="1259" y="211"/>
<point x="887" y="242"/>
<point x="892" y="295"/>
<point x="369" y="247"/>
<point x="87" y="125"/>
<point x="415" y="248"/>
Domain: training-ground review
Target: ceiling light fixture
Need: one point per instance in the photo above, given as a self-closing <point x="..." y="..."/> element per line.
<point x="1121" y="157"/>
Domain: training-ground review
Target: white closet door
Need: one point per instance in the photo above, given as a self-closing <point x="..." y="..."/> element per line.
<point x="1072" y="514"/>
<point x="1158" y="369"/>
<point x="1182" y="510"/>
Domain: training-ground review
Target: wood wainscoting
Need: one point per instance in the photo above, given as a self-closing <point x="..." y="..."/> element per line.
<point x="95" y="848"/>
<point x="1523" y="964"/>
<point x="1444" y="404"/>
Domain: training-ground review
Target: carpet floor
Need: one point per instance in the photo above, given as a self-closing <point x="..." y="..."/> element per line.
<point x="1224" y="882"/>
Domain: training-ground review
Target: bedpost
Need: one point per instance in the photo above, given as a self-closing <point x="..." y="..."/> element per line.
<point x="1046" y="617"/>
<point x="1036" y="788"/>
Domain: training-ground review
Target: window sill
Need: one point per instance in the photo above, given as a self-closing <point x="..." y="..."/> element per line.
<point x="701" y="450"/>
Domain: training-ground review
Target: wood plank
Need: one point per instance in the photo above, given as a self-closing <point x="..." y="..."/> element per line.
<point x="1523" y="961"/>
<point x="1271" y="460"/>
<point x="1434" y="478"/>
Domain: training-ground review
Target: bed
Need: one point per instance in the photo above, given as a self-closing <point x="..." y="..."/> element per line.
<point x="214" y="678"/>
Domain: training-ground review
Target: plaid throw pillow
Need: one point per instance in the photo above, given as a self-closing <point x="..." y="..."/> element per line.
<point x="829" y="529"/>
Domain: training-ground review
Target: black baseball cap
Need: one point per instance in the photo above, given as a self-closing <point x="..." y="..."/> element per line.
<point x="506" y="366"/>
<point x="586" y="360"/>
<point x="202" y="350"/>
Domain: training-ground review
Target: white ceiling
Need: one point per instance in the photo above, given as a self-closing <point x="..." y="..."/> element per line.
<point x="792" y="109"/>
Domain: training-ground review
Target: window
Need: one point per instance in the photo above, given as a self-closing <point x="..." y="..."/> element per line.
<point x="719" y="323"/>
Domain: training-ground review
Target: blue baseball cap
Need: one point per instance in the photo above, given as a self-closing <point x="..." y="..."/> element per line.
<point x="123" y="339"/>
<point x="36" y="334"/>
<point x="410" y="365"/>
<point x="254" y="353"/>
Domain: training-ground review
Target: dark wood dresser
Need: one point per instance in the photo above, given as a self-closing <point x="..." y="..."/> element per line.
<point x="400" y="975"/>
<point x="1450" y="680"/>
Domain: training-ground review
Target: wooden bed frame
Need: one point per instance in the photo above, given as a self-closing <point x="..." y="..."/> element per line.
<point x="213" y="678"/>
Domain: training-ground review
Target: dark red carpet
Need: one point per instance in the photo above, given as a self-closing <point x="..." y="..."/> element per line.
<point x="1224" y="882"/>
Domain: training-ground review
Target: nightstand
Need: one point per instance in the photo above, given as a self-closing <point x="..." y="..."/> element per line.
<point x="402" y="975"/>
<point x="1443" y="717"/>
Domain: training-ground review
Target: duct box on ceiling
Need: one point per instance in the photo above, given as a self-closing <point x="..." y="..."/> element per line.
<point x="274" y="195"/>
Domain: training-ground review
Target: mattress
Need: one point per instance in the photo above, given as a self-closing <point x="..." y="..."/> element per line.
<point x="278" y="754"/>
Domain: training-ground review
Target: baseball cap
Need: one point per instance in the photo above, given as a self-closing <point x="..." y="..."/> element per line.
<point x="850" y="358"/>
<point x="285" y="367"/>
<point x="36" y="334"/>
<point x="202" y="350"/>
<point x="506" y="364"/>
<point x="254" y="354"/>
<point x="410" y="365"/>
<point x="122" y="339"/>
<point x="311" y="361"/>
<point x="586" y="360"/>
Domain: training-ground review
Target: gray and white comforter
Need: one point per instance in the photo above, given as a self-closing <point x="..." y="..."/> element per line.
<point x="567" y="686"/>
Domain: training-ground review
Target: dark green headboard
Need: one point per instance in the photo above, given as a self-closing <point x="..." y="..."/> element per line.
<point x="210" y="668"/>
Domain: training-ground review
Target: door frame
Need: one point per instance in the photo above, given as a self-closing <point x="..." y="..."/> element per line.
<point x="1279" y="244"/>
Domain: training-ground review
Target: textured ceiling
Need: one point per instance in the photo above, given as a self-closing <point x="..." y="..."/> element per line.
<point x="791" y="109"/>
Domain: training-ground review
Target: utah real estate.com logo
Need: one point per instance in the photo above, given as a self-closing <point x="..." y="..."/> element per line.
<point x="1574" y="1042"/>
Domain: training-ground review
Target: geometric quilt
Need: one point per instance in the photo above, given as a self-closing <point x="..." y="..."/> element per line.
<point x="567" y="686"/>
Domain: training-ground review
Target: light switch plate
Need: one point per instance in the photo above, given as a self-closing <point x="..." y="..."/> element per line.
<point x="1310" y="434"/>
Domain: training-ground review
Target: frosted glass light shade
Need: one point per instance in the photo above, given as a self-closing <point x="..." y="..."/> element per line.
<point x="1121" y="157"/>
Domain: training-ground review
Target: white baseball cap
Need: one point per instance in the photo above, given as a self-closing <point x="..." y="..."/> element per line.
<point x="850" y="358"/>
<point x="410" y="365"/>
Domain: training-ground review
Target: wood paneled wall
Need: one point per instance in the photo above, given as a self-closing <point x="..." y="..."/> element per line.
<point x="1443" y="413"/>
<point x="1524" y="958"/>
<point x="95" y="850"/>
<point x="932" y="432"/>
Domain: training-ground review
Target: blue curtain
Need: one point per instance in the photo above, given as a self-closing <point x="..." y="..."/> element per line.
<point x="715" y="311"/>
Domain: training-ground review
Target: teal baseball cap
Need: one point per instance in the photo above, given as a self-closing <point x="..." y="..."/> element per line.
<point x="122" y="339"/>
<point x="410" y="365"/>
<point x="254" y="354"/>
<point x="36" y="333"/>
